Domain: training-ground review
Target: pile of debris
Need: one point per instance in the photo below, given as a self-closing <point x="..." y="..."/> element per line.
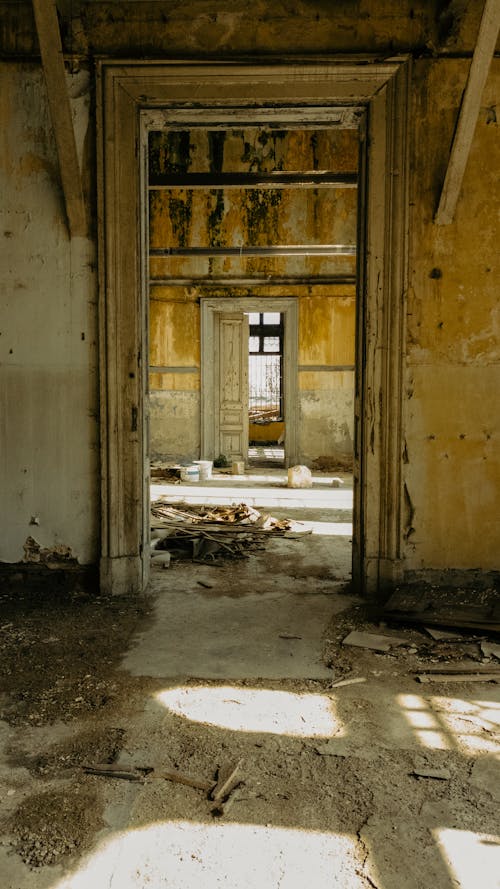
<point x="170" y="474"/>
<point x="212" y="533"/>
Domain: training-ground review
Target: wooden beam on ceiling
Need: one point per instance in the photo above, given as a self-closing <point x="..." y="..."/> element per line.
<point x="49" y="37"/>
<point x="469" y="112"/>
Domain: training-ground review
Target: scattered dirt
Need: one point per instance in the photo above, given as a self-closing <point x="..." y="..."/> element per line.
<point x="58" y="655"/>
<point x="50" y="826"/>
<point x="67" y="704"/>
<point x="59" y="658"/>
<point x="99" y="745"/>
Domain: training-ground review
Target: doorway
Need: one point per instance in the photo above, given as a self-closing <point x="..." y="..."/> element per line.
<point x="266" y="391"/>
<point x="217" y="311"/>
<point x="129" y="97"/>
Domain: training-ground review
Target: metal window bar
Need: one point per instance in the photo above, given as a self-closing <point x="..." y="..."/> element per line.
<point x="265" y="371"/>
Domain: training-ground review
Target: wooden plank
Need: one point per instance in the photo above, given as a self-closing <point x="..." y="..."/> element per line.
<point x="225" y="780"/>
<point x="469" y="111"/>
<point x="49" y="37"/>
<point x="458" y="677"/>
<point x="275" y="179"/>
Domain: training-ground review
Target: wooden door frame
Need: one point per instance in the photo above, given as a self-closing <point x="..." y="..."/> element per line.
<point x="128" y="90"/>
<point x="287" y="306"/>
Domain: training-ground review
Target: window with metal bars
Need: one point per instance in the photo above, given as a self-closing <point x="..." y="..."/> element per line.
<point x="265" y="366"/>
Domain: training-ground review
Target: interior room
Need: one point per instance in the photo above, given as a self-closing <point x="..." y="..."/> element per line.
<point x="249" y="424"/>
<point x="255" y="216"/>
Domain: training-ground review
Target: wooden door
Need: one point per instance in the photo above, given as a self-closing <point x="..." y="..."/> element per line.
<point x="231" y="376"/>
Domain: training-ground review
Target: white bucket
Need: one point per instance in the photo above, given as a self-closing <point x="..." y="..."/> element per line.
<point x="205" y="467"/>
<point x="190" y="474"/>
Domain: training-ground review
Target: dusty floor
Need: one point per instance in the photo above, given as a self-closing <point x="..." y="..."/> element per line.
<point x="326" y="793"/>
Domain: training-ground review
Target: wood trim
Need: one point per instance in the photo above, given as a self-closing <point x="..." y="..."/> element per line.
<point x="257" y="281"/>
<point x="161" y="369"/>
<point x="469" y="112"/>
<point x="325" y="368"/>
<point x="282" y="180"/>
<point x="126" y="88"/>
<point x="49" y="38"/>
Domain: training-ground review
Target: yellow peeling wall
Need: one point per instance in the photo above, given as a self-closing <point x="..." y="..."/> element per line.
<point x="326" y="391"/>
<point x="254" y="217"/>
<point x="452" y="419"/>
<point x="49" y="432"/>
<point x="326" y="343"/>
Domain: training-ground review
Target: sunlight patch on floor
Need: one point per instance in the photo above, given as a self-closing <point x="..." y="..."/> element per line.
<point x="269" y="497"/>
<point x="424" y="723"/>
<point x="255" y="710"/>
<point x="442" y="723"/>
<point x="475" y="725"/>
<point x="184" y="855"/>
<point x="472" y="859"/>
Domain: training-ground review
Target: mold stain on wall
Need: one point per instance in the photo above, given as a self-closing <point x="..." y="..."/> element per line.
<point x="261" y="217"/>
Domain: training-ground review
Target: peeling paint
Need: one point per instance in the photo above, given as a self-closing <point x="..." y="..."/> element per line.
<point x="409" y="514"/>
<point x="51" y="557"/>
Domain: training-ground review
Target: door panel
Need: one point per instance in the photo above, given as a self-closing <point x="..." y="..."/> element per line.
<point x="231" y="403"/>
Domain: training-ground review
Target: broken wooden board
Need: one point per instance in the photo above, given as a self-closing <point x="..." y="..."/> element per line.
<point x="444" y="635"/>
<point x="330" y="748"/>
<point x="223" y="806"/>
<point x="239" y="515"/>
<point x="437" y="774"/>
<point x="490" y="649"/>
<point x="187" y="780"/>
<point x="373" y="641"/>
<point x="458" y="677"/>
<point x="226" y="779"/>
<point x="437" y="608"/>
<point x="341" y="682"/>
<point x="140" y="774"/>
<point x="464" y="666"/>
<point x="114" y="772"/>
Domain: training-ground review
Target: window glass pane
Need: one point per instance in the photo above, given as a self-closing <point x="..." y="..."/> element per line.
<point x="253" y="318"/>
<point x="271" y="344"/>
<point x="271" y="318"/>
<point x="253" y="343"/>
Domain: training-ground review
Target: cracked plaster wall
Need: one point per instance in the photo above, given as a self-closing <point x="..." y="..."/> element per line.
<point x="48" y="374"/>
<point x="452" y="424"/>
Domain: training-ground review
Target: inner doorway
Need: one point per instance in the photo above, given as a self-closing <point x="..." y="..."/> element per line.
<point x="128" y="98"/>
<point x="231" y="388"/>
<point x="266" y="396"/>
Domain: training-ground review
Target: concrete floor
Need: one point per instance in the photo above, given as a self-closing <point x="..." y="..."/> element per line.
<point x="234" y="629"/>
<point x="329" y="797"/>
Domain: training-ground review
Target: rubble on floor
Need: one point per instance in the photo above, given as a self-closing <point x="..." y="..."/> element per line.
<point x="169" y="474"/>
<point x="430" y="656"/>
<point x="211" y="533"/>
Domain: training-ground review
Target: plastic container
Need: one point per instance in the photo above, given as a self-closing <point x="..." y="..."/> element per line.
<point x="205" y="469"/>
<point x="190" y="473"/>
